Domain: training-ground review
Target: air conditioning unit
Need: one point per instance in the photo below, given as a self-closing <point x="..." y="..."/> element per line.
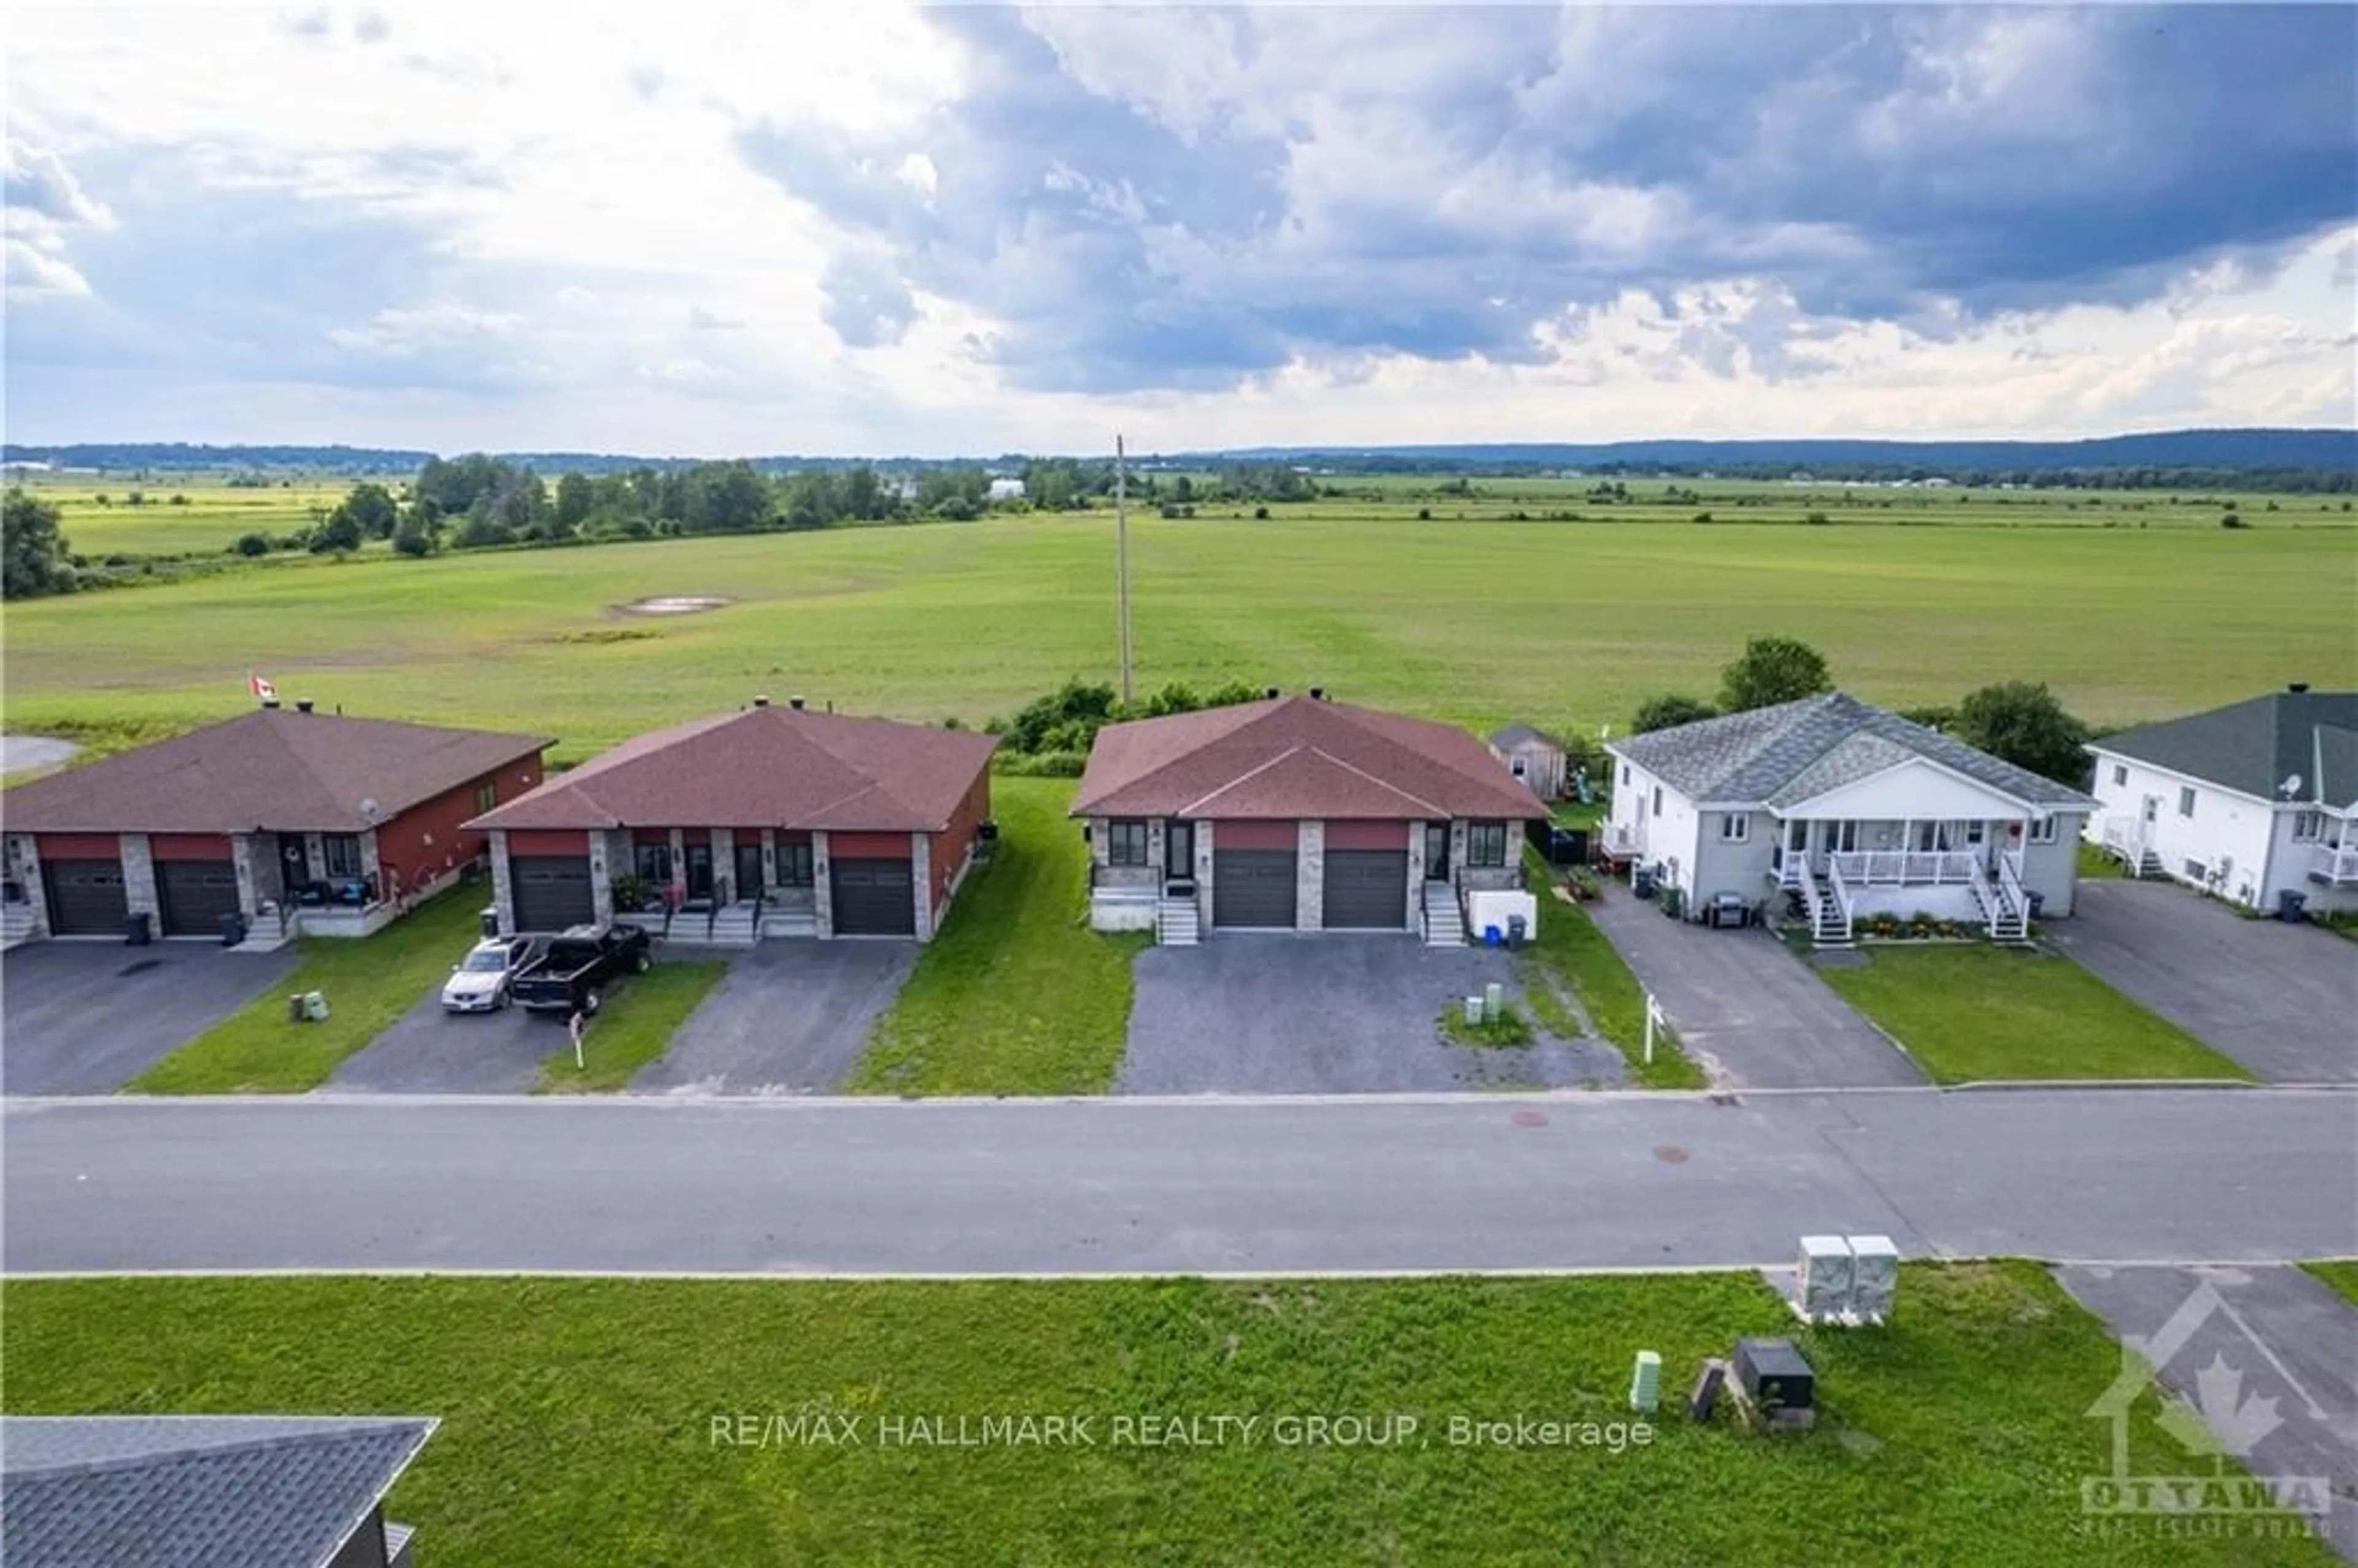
<point x="1822" y="1291"/>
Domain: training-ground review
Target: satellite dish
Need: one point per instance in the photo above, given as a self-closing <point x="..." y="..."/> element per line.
<point x="369" y="808"/>
<point x="2291" y="786"/>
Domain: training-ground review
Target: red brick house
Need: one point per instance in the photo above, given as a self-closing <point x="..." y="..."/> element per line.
<point x="341" y="820"/>
<point x="766" y="822"/>
<point x="1297" y="813"/>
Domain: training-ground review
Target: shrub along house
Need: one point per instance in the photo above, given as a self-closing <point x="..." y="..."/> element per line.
<point x="341" y="820"/>
<point x="766" y="822"/>
<point x="1296" y="814"/>
<point x="2252" y="801"/>
<point x="1854" y="809"/>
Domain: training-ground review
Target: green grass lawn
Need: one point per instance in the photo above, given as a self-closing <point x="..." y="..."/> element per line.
<point x="2341" y="1274"/>
<point x="1571" y="949"/>
<point x="1970" y="1013"/>
<point x="1017" y="995"/>
<point x="2095" y="863"/>
<point x="579" y="1416"/>
<point x="632" y="1028"/>
<point x="1379" y="609"/>
<point x="369" y="982"/>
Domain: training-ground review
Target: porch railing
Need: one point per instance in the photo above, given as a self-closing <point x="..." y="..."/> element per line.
<point x="1840" y="888"/>
<point x="1619" y="843"/>
<point x="2337" y="866"/>
<point x="2130" y="838"/>
<point x="1888" y="868"/>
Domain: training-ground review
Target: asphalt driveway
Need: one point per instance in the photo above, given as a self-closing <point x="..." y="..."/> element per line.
<point x="2290" y="1346"/>
<point x="1329" y="1014"/>
<point x="789" y="1018"/>
<point x="429" y="1052"/>
<point x="85" y="1017"/>
<point x="1753" y="1013"/>
<point x="2279" y="999"/>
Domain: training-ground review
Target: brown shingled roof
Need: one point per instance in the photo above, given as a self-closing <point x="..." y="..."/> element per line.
<point x="764" y="767"/>
<point x="270" y="769"/>
<point x="1296" y="757"/>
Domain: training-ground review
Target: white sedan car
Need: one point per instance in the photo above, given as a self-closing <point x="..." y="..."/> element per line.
<point x="481" y="983"/>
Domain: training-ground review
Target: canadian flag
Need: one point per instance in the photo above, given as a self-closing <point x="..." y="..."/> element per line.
<point x="262" y="688"/>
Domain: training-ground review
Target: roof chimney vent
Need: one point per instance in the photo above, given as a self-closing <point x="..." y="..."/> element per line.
<point x="2296" y="687"/>
<point x="1318" y="694"/>
<point x="270" y="702"/>
<point x="795" y="703"/>
<point x="302" y="705"/>
<point x="762" y="699"/>
<point x="1273" y="692"/>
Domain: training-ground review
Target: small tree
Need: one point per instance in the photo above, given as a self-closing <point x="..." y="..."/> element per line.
<point x="1668" y="712"/>
<point x="254" y="544"/>
<point x="38" y="559"/>
<point x="2022" y="723"/>
<point x="341" y="531"/>
<point x="1772" y="670"/>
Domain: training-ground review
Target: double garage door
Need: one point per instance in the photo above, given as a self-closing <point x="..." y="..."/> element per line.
<point x="1364" y="890"/>
<point x="551" y="891"/>
<point x="87" y="898"/>
<point x="873" y="898"/>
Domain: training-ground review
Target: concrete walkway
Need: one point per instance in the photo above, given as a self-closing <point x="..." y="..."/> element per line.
<point x="2268" y="1357"/>
<point x="2282" y="1000"/>
<point x="1752" y="1013"/>
<point x="643" y="1183"/>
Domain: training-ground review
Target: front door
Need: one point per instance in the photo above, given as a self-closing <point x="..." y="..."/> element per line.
<point x="748" y="870"/>
<point x="1179" y="851"/>
<point x="1437" y="852"/>
<point x="1797" y="840"/>
<point x="294" y="866"/>
<point x="699" y="871"/>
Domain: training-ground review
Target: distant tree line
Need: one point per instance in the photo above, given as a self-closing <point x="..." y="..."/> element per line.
<point x="1052" y="734"/>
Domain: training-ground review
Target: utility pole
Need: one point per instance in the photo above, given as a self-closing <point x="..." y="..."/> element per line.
<point x="1122" y="561"/>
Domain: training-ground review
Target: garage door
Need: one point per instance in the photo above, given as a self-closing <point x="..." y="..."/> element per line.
<point x="551" y="891"/>
<point x="195" y="895"/>
<point x="1366" y="889"/>
<point x="873" y="898"/>
<point x="86" y="897"/>
<point x="1252" y="887"/>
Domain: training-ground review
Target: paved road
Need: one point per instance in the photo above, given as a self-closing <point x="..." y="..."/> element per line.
<point x="788" y="1185"/>
<point x="2279" y="999"/>
<point x="1750" y="1013"/>
<point x="2288" y="1347"/>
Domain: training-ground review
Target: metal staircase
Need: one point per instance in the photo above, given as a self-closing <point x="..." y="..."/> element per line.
<point x="1445" y="923"/>
<point x="1175" y="922"/>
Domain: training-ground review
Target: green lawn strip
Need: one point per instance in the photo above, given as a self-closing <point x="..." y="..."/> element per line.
<point x="369" y="982"/>
<point x="2097" y="866"/>
<point x="579" y="1416"/>
<point x="1017" y="995"/>
<point x="2341" y="1274"/>
<point x="1977" y="1013"/>
<point x="632" y="1028"/>
<point x="1509" y="1031"/>
<point x="1570" y="948"/>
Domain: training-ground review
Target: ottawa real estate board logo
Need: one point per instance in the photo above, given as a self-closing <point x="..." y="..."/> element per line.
<point x="2238" y="1396"/>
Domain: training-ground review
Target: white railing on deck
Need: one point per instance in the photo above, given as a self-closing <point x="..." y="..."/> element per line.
<point x="2337" y="865"/>
<point x="1840" y="889"/>
<point x="1904" y="868"/>
<point x="2130" y="838"/>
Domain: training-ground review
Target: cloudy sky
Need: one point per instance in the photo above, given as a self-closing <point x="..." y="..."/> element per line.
<point x="674" y="229"/>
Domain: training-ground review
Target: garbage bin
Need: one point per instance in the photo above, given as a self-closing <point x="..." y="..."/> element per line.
<point x="232" y="929"/>
<point x="2033" y="902"/>
<point x="1517" y="928"/>
<point x="1641" y="882"/>
<point x="139" y="929"/>
<point x="2289" y="905"/>
<point x="1674" y="902"/>
<point x="489" y="920"/>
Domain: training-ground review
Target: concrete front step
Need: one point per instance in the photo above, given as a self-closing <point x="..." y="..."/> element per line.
<point x="1176" y="924"/>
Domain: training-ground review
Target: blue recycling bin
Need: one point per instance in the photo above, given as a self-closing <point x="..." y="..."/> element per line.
<point x="1493" y="937"/>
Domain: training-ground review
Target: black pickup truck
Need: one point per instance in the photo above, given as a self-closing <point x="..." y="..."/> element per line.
<point x="574" y="974"/>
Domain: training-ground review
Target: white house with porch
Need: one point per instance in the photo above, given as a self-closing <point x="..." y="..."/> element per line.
<point x="2251" y="801"/>
<point x="1848" y="810"/>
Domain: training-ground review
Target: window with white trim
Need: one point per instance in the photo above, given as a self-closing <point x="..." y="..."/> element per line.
<point x="1658" y="800"/>
<point x="2186" y="800"/>
<point x="1735" y="827"/>
<point x="1846" y="838"/>
<point x="1126" y="843"/>
<point x="1624" y="773"/>
<point x="2120" y="774"/>
<point x="2043" y="831"/>
<point x="2307" y="826"/>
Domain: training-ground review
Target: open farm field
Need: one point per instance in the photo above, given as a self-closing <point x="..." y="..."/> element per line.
<point x="212" y="516"/>
<point x="1476" y="622"/>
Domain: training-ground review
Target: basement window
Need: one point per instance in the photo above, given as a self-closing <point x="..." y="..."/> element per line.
<point x="1126" y="843"/>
